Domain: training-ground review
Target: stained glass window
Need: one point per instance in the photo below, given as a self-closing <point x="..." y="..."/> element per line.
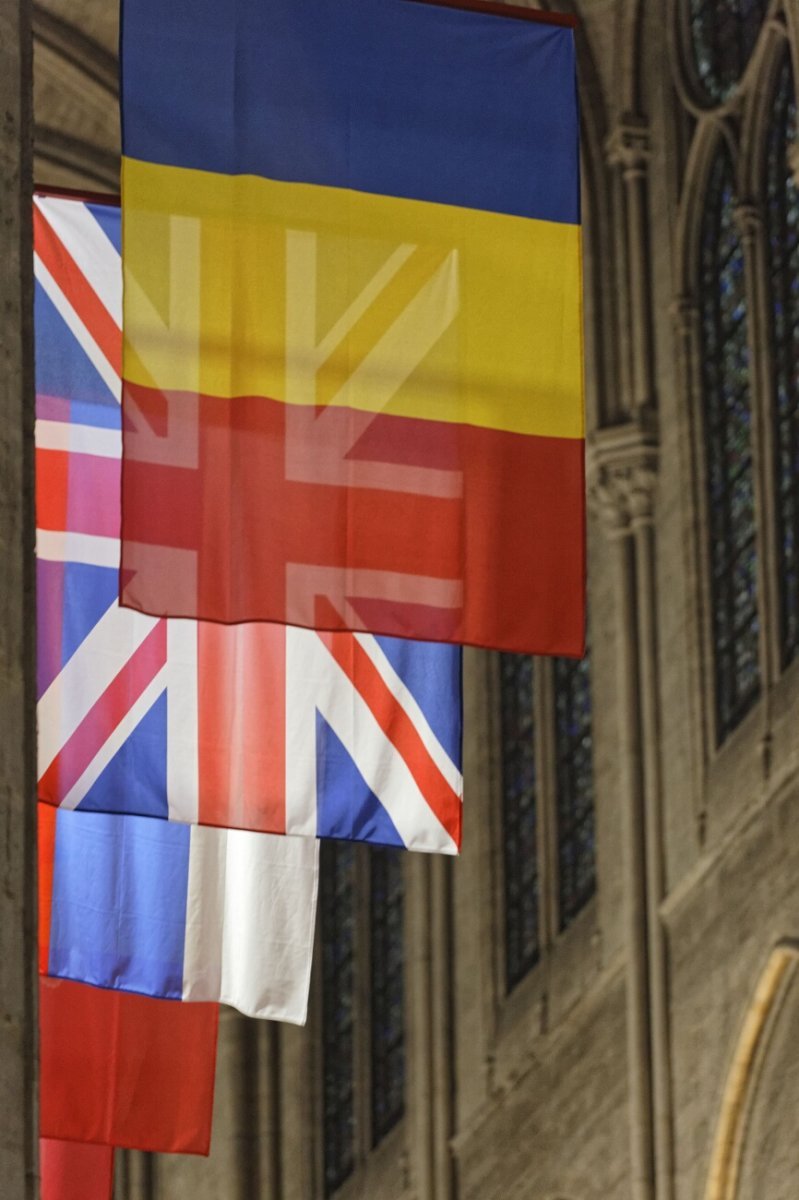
<point x="337" y="907"/>
<point x="783" y="235"/>
<point x="724" y="33"/>
<point x="520" y="842"/>
<point x="575" y="786"/>
<point x="728" y="441"/>
<point x="387" y="959"/>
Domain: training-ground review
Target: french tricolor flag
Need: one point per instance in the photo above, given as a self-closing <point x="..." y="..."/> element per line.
<point x="179" y="912"/>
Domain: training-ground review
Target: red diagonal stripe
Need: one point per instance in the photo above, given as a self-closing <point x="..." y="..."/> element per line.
<point x="103" y="717"/>
<point x="73" y="283"/>
<point x="398" y="728"/>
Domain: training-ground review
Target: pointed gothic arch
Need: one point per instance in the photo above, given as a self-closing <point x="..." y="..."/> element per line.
<point x="719" y="78"/>
<point x="761" y="1018"/>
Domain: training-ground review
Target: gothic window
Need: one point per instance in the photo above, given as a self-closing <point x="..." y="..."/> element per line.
<point x="548" y="840"/>
<point x="723" y="33"/>
<point x="574" y="786"/>
<point x="783" y="240"/>
<point x="387" y="1024"/>
<point x="337" y="897"/>
<point x="728" y="443"/>
<point x="361" y="903"/>
<point x="519" y="816"/>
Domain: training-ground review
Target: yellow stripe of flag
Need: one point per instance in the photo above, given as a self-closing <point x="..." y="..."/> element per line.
<point x="319" y="295"/>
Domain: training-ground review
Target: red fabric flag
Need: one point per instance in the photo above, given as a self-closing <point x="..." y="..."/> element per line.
<point x="117" y="1068"/>
<point x="75" y="1170"/>
<point x="125" y="1070"/>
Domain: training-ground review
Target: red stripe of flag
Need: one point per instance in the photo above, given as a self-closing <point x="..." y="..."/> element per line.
<point x="52" y="482"/>
<point x="75" y="1170"/>
<point x="46" y="843"/>
<point x="242" y="726"/>
<point x="78" y="493"/>
<point x="125" y="1070"/>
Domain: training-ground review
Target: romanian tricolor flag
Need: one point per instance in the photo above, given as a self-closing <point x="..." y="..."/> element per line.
<point x="353" y="357"/>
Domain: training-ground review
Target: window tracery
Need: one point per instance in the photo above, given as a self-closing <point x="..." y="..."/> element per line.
<point x="782" y="208"/>
<point x="723" y="35"/>
<point x="387" y="993"/>
<point x="361" y="903"/>
<point x="728" y="450"/>
<point x="544" y="873"/>
<point x="519" y="816"/>
<point x="575" y="787"/>
<point x="337" y="897"/>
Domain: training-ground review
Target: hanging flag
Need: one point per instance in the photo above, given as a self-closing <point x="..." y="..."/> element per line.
<point x="353" y="335"/>
<point x="255" y="727"/>
<point x="179" y="912"/>
<point x="114" y="1068"/>
<point x="125" y="1070"/>
<point x="75" y="1170"/>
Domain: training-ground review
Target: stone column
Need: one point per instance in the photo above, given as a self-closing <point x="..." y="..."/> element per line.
<point x="623" y="476"/>
<point x="18" y="1008"/>
<point x="627" y="150"/>
<point x="660" y="1031"/>
<point x="419" y="1040"/>
<point x="442" y="1025"/>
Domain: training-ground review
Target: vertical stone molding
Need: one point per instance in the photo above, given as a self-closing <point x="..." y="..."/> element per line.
<point x="623" y="467"/>
<point x="751" y="226"/>
<point x="627" y="150"/>
<point x="18" y="1040"/>
<point x="639" y="1065"/>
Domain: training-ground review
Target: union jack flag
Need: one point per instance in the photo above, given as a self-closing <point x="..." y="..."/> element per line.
<point x="254" y="726"/>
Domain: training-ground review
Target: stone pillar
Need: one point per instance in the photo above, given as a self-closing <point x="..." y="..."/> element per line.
<point x="442" y="1024"/>
<point x="623" y="478"/>
<point x="628" y="151"/>
<point x="18" y="1008"/>
<point x="419" y="1040"/>
<point x="429" y="1041"/>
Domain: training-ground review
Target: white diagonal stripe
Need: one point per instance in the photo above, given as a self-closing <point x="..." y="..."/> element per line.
<point x="361" y="303"/>
<point x="77" y="328"/>
<point x="115" y="741"/>
<point x="406" y="699"/>
<point x="78" y="439"/>
<point x="92" y="668"/>
<point x="405" y="344"/>
<point x="322" y="686"/>
<point x="386" y="774"/>
<point x="91" y="249"/>
<point x="87" y="548"/>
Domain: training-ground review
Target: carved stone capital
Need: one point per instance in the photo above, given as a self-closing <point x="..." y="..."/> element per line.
<point x="622" y="477"/>
<point x="628" y="146"/>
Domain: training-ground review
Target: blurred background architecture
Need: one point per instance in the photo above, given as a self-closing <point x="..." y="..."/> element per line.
<point x="600" y="999"/>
